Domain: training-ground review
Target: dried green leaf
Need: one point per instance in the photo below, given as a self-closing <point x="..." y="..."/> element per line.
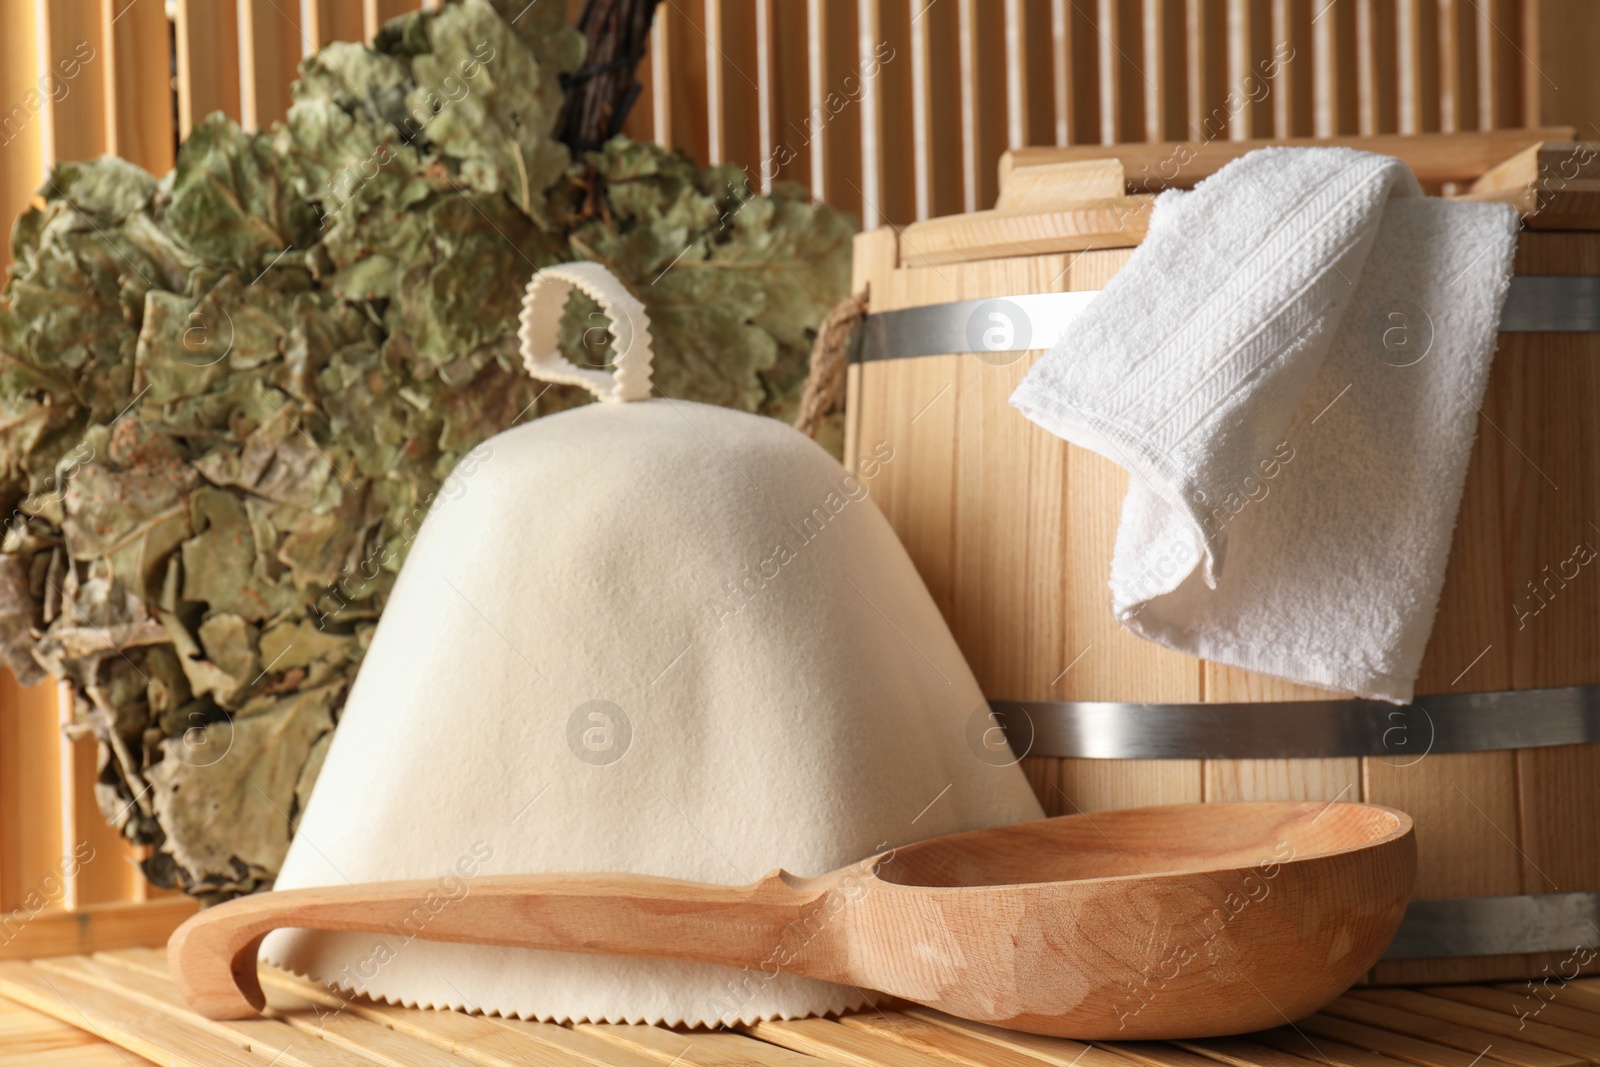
<point x="219" y="562"/>
<point x="204" y="678"/>
<point x="231" y="203"/>
<point x="227" y="641"/>
<point x="17" y="620"/>
<point x="110" y="188"/>
<point x="301" y="644"/>
<point x="209" y="788"/>
<point x="493" y="101"/>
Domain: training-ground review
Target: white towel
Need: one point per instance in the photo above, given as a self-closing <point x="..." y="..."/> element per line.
<point x="1290" y="367"/>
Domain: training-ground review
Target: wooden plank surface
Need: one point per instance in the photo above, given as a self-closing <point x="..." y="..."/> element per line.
<point x="1165" y="1054"/>
<point x="1586" y="990"/>
<point x="1399" y="1046"/>
<point x="71" y="1011"/>
<point x="30" y="1037"/>
<point x="907" y="1034"/>
<point x="1056" y="1051"/>
<point x="412" y="1037"/>
<point x="1503" y="1023"/>
<point x="1525" y="1006"/>
<point x="1554" y="186"/>
<point x="1321" y="1049"/>
<point x="144" y="990"/>
<point x="1386" y="1015"/>
<point x="1378" y="65"/>
<point x="1241" y="1052"/>
<point x="830" y="1040"/>
<point x="658" y="1046"/>
<point x="91" y="1053"/>
<point x="143" y="1030"/>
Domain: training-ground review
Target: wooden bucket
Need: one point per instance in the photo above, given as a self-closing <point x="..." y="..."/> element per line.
<point x="1013" y="530"/>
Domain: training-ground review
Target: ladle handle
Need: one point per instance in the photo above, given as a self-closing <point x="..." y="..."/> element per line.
<point x="213" y="954"/>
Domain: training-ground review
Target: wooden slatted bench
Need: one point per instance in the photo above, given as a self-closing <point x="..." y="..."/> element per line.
<point x="86" y="1011"/>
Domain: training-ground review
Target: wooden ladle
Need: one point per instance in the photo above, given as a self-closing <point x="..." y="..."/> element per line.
<point x="1192" y="920"/>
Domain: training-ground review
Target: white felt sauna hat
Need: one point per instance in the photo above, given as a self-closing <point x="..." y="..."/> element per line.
<point x="648" y="636"/>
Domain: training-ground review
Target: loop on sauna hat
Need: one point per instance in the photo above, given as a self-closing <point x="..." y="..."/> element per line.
<point x="656" y="637"/>
<point x="629" y="378"/>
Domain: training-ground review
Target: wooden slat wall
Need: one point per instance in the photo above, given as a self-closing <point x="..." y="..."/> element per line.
<point x="23" y="111"/>
<point x="374" y="13"/>
<point x="271" y="41"/>
<point x="138" y="99"/>
<point x="332" y="20"/>
<point x="896" y="110"/>
<point x="73" y="48"/>
<point x="208" y="70"/>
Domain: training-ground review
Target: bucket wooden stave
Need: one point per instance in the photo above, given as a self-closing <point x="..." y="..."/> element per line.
<point x="1013" y="530"/>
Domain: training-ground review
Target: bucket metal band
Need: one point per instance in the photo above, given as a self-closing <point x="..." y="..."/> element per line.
<point x="1302" y="729"/>
<point x="1534" y="304"/>
<point x="1499" y="926"/>
<point x="1003" y="324"/>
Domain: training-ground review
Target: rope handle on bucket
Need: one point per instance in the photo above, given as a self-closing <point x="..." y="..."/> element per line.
<point x="824" y="389"/>
<point x="629" y="377"/>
